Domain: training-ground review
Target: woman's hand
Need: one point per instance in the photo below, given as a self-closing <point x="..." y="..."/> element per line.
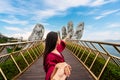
<point x="62" y="70"/>
<point x="67" y="37"/>
<point x="67" y="70"/>
<point x="64" y="67"/>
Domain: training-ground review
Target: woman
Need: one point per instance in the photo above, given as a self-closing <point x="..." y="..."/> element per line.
<point x="54" y="64"/>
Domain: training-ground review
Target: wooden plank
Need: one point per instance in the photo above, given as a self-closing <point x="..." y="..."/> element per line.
<point x="36" y="72"/>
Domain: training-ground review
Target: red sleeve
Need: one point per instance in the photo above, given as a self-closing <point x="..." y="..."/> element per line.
<point x="61" y="46"/>
<point x="50" y="65"/>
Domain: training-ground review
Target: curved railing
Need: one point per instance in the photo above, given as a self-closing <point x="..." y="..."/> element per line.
<point x="15" y="58"/>
<point x="101" y="59"/>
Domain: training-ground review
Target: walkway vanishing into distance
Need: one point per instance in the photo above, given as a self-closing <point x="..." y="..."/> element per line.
<point x="36" y="72"/>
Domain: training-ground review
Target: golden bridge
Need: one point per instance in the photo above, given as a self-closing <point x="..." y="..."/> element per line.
<point x="90" y="60"/>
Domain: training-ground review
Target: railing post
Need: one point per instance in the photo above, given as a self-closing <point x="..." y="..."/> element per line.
<point x="15" y="47"/>
<point x="3" y="74"/>
<point x="79" y="50"/>
<point x="15" y="63"/>
<point x="94" y="60"/>
<point x="72" y="47"/>
<point x="38" y="48"/>
<point x="87" y="56"/>
<point x="24" y="58"/>
<point x="103" y="68"/>
<point x="34" y="53"/>
<point x="26" y="52"/>
<point x="92" y="51"/>
<point x="76" y="49"/>
<point x="30" y="55"/>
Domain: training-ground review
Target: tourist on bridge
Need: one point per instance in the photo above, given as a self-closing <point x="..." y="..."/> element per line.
<point x="54" y="64"/>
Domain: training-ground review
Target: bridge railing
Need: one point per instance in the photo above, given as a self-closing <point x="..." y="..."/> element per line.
<point x="101" y="59"/>
<point x="15" y="58"/>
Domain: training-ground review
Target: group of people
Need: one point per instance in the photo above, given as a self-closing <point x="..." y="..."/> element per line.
<point x="53" y="61"/>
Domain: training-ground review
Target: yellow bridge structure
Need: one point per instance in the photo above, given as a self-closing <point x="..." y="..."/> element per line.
<point x="90" y="60"/>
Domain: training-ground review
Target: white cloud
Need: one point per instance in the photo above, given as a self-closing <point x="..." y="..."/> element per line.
<point x="19" y="32"/>
<point x="101" y="2"/>
<point x="114" y="25"/>
<point x="46" y="32"/>
<point x="18" y="35"/>
<point x="91" y="12"/>
<point x="106" y="13"/>
<point x="101" y="35"/>
<point x="43" y="14"/>
<point x="13" y="28"/>
<point x="5" y="6"/>
<point x="99" y="17"/>
<point x="110" y="12"/>
<point x="13" y="21"/>
<point x="51" y="8"/>
<point x="10" y="19"/>
<point x="63" y="5"/>
<point x="48" y="9"/>
<point x="25" y="34"/>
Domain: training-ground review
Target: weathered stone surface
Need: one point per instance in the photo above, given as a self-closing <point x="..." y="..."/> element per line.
<point x="70" y="28"/>
<point x="37" y="33"/>
<point x="59" y="34"/>
<point x="79" y="30"/>
<point x="64" y="32"/>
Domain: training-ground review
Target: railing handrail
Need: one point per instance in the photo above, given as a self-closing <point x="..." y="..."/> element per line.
<point x="106" y="51"/>
<point x="102" y="42"/>
<point x="16" y="43"/>
<point x="29" y="53"/>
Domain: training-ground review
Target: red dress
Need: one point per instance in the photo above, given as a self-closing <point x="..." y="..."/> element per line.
<point x="52" y="59"/>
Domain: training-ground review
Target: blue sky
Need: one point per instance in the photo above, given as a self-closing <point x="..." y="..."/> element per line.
<point x="101" y="17"/>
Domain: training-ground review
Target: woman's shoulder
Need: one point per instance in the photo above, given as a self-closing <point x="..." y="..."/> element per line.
<point x="51" y="56"/>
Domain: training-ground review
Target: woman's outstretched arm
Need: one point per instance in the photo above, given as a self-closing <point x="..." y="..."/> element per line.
<point x="67" y="37"/>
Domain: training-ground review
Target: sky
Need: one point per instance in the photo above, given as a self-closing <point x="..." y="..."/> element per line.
<point x="101" y="17"/>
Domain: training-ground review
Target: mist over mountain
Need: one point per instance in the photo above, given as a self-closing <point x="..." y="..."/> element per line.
<point x="113" y="41"/>
<point x="2" y="36"/>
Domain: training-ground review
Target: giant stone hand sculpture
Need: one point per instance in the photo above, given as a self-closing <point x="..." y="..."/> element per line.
<point x="37" y="33"/>
<point x="70" y="28"/>
<point x="79" y="30"/>
<point x="64" y="33"/>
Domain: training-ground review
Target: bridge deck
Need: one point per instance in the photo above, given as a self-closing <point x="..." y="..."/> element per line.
<point x="36" y="72"/>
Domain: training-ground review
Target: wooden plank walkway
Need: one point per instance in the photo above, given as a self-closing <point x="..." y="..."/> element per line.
<point x="36" y="72"/>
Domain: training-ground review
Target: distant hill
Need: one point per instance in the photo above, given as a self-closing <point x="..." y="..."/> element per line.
<point x="2" y="36"/>
<point x="113" y="41"/>
<point x="4" y="39"/>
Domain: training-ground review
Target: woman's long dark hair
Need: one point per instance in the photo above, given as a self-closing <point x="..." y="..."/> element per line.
<point x="50" y="44"/>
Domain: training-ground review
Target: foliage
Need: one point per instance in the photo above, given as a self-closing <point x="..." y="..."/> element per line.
<point x="9" y="68"/>
<point x="6" y="39"/>
<point x="3" y="40"/>
<point x="111" y="72"/>
<point x="9" y="50"/>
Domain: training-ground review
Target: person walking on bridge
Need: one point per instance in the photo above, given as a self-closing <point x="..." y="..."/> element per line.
<point x="54" y="64"/>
